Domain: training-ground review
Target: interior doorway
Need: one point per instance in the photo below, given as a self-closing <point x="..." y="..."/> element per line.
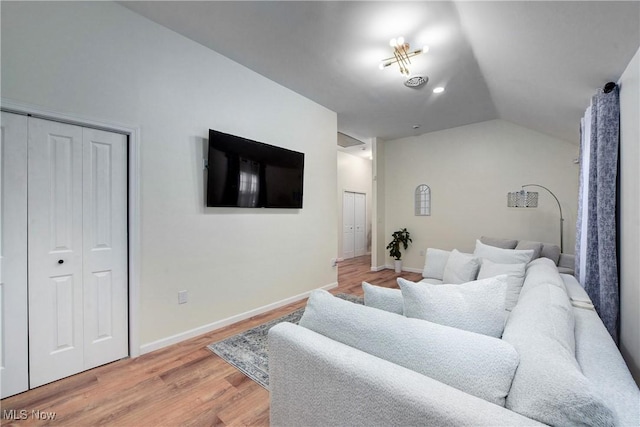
<point x="354" y="224"/>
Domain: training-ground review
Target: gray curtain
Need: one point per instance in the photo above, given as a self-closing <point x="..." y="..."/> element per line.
<point x="596" y="233"/>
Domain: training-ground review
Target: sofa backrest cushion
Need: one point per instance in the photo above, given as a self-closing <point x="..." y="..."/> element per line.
<point x="499" y="243"/>
<point x="547" y="250"/>
<point x="460" y="268"/>
<point x="476" y="364"/>
<point x="549" y="385"/>
<point x="477" y="306"/>
<point x="434" y="263"/>
<point x="503" y="256"/>
<point x="515" y="278"/>
<point x="551" y="251"/>
<point x="386" y="299"/>
<point x="539" y="272"/>
<point x="524" y="245"/>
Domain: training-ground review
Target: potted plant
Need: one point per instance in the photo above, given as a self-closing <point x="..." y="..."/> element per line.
<point x="400" y="237"/>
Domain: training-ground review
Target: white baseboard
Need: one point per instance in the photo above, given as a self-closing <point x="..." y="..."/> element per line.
<point x="391" y="267"/>
<point x="174" y="339"/>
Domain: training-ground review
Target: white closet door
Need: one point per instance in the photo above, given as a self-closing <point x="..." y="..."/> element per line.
<point x="348" y="226"/>
<point x="360" y="208"/>
<point x="105" y="247"/>
<point x="14" y="356"/>
<point x="55" y="251"/>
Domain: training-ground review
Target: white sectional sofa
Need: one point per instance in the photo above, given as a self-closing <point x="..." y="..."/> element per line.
<point x="349" y="364"/>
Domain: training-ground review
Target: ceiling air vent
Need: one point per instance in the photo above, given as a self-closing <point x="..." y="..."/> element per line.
<point x="416" y="81"/>
<point x="345" y="141"/>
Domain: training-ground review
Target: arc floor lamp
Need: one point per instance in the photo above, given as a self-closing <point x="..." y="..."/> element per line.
<point x="529" y="199"/>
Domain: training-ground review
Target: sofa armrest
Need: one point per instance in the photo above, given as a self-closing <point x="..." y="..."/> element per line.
<point x="567" y="264"/>
<point x="567" y="261"/>
<point x="316" y="381"/>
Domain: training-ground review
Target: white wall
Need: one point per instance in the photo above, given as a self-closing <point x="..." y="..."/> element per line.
<point x="100" y="60"/>
<point x="470" y="170"/>
<point x="629" y="215"/>
<point x="354" y="174"/>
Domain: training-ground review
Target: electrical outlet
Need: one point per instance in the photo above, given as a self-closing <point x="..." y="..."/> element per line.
<point x="182" y="297"/>
<point x="422" y="252"/>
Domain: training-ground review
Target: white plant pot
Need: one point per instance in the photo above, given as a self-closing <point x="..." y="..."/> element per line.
<point x="398" y="265"/>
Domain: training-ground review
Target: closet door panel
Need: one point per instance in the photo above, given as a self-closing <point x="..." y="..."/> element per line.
<point x="348" y="226"/>
<point x="55" y="250"/>
<point x="14" y="356"/>
<point x="360" y="213"/>
<point x="105" y="247"/>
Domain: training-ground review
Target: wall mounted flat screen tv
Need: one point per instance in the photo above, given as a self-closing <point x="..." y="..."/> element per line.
<point x="250" y="174"/>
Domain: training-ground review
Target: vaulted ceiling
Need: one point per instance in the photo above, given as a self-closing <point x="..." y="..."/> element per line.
<point x="534" y="63"/>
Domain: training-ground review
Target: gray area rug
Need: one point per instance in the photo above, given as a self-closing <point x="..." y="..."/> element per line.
<point x="247" y="351"/>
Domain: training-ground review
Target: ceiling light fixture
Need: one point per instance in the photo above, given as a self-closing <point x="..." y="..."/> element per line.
<point x="401" y="55"/>
<point x="438" y="89"/>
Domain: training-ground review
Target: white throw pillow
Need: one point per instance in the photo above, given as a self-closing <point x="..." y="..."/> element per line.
<point x="460" y="268"/>
<point x="476" y="306"/>
<point x="502" y="256"/>
<point x="434" y="263"/>
<point x="515" y="278"/>
<point x="386" y="299"/>
<point x="479" y="365"/>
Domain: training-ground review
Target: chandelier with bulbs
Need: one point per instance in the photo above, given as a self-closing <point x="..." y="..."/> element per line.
<point x="401" y="55"/>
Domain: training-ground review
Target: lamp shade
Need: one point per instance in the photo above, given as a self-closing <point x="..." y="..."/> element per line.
<point x="529" y="199"/>
<point x="522" y="199"/>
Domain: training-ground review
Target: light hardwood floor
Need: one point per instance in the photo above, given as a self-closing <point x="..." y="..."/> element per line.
<point x="184" y="384"/>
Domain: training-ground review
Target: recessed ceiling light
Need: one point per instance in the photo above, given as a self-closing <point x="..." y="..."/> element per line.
<point x="438" y="89"/>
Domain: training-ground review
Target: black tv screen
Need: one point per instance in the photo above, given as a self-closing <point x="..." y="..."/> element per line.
<point x="250" y="174"/>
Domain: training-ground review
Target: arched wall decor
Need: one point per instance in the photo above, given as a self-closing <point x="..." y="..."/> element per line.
<point x="423" y="200"/>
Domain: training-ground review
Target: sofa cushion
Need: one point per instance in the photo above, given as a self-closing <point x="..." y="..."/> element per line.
<point x="386" y="299"/>
<point x="515" y="278"/>
<point x="477" y="306"/>
<point x="539" y="272"/>
<point x="499" y="243"/>
<point x="551" y="251"/>
<point x="460" y="268"/>
<point x="602" y="364"/>
<point x="536" y="247"/>
<point x="430" y="281"/>
<point x="599" y="357"/>
<point x="502" y="256"/>
<point x="549" y="386"/>
<point x="479" y="365"/>
<point x="434" y="263"/>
